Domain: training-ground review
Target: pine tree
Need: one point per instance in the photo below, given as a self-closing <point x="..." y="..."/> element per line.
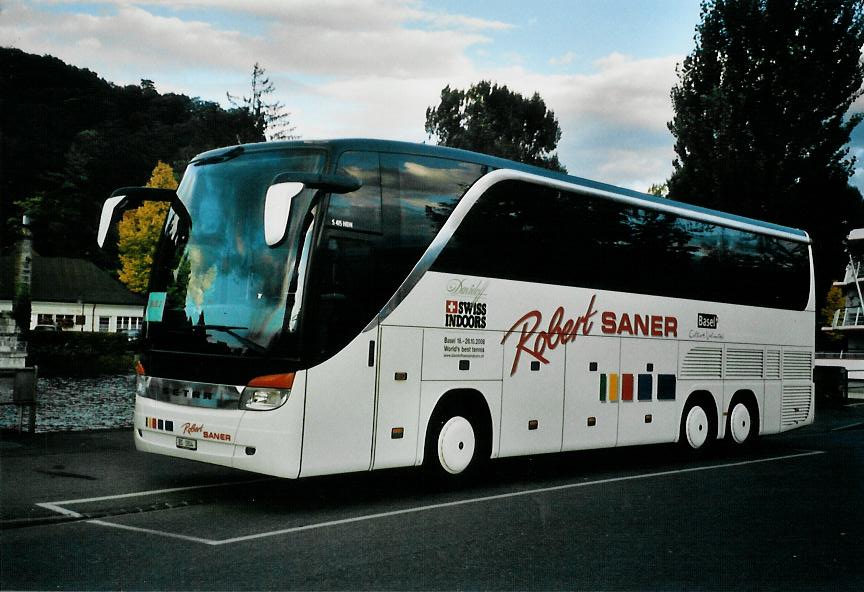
<point x="270" y="119"/>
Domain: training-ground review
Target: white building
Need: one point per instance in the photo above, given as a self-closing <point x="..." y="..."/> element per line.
<point x="73" y="294"/>
<point x="849" y="320"/>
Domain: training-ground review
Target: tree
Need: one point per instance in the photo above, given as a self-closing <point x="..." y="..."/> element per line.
<point x="834" y="301"/>
<point x="495" y="120"/>
<point x="139" y="232"/>
<point x="659" y="190"/>
<point x="762" y="117"/>
<point x="270" y="120"/>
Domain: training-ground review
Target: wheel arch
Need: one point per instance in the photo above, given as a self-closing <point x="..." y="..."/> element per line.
<point x="468" y="402"/>
<point x="749" y="398"/>
<point x="709" y="401"/>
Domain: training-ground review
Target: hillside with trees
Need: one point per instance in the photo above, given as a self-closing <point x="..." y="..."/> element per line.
<point x="70" y="138"/>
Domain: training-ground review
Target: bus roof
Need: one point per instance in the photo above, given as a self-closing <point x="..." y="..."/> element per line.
<point x="337" y="146"/>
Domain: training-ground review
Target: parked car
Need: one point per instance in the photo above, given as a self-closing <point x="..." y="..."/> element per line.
<point x="46" y="328"/>
<point x="132" y="334"/>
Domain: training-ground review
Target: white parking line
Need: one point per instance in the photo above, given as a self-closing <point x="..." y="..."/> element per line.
<point x="847" y="427"/>
<point x="57" y="506"/>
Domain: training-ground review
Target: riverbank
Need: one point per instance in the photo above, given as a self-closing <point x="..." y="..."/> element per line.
<point x="77" y="404"/>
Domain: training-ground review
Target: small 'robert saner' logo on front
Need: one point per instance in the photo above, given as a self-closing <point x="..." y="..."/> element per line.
<point x="707" y="321"/>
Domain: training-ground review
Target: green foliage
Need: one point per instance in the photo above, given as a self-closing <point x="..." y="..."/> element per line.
<point x="834" y="301"/>
<point x="139" y="232"/>
<point x="762" y="117"/>
<point x="659" y="189"/>
<point x="73" y="353"/>
<point x="495" y="120"/>
<point x="270" y="120"/>
<point x="70" y="138"/>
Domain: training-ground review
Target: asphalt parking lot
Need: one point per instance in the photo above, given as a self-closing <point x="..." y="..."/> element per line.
<point x="85" y="511"/>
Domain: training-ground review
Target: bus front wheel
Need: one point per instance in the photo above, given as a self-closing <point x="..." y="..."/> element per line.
<point x="455" y="445"/>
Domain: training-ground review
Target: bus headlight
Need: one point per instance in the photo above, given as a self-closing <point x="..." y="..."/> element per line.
<point x="266" y="393"/>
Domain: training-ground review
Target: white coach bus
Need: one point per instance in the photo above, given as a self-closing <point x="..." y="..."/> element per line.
<point x="347" y="305"/>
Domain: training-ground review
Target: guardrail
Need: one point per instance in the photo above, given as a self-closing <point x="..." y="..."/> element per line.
<point x="848" y="317"/>
<point x="840" y="355"/>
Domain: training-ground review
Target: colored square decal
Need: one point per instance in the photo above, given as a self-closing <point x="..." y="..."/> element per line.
<point x="613" y="387"/>
<point x="452" y="307"/>
<point x="644" y="387"/>
<point x="626" y="387"/>
<point x="666" y="387"/>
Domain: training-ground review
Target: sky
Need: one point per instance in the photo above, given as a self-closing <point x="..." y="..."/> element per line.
<point x="370" y="68"/>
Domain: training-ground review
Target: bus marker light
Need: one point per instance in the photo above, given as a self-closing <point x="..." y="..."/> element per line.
<point x="400" y="376"/>
<point x="397" y="433"/>
<point x="649" y="418"/>
<point x="139" y="368"/>
<point x="592" y="421"/>
<point x="533" y="424"/>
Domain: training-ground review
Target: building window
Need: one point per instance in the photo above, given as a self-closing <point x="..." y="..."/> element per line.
<point x="104" y="324"/>
<point x="124" y="323"/>
<point x="65" y="321"/>
<point x="45" y="319"/>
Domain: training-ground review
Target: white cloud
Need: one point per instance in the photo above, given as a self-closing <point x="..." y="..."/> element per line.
<point x="359" y="68"/>
<point x="563" y="60"/>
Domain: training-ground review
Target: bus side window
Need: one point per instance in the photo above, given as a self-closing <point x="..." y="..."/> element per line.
<point x="420" y="193"/>
<point x="359" y="210"/>
<point x="344" y="289"/>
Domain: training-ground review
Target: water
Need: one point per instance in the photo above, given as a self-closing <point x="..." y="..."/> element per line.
<point x="76" y="404"/>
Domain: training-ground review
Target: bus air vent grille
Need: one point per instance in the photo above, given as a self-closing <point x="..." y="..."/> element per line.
<point x="703" y="362"/>
<point x="796" y="404"/>
<point x="744" y="363"/>
<point x="772" y="364"/>
<point x="797" y="365"/>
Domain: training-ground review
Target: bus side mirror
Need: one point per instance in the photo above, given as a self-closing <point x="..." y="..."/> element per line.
<point x="128" y="198"/>
<point x="277" y="210"/>
<point x="285" y="187"/>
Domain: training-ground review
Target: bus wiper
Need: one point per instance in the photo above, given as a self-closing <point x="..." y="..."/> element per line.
<point x="231" y="330"/>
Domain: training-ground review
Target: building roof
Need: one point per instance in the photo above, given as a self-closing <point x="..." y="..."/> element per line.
<point x="63" y="279"/>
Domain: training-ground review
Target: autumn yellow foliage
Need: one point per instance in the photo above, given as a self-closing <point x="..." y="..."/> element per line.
<point x="139" y="232"/>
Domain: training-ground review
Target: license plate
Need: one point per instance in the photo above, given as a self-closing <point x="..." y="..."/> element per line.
<point x="187" y="443"/>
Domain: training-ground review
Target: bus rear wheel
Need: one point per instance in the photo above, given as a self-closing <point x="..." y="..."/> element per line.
<point x="742" y="425"/>
<point x="697" y="426"/>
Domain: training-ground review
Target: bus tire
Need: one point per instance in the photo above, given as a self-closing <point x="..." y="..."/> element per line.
<point x="698" y="424"/>
<point x="456" y="443"/>
<point x="742" y="423"/>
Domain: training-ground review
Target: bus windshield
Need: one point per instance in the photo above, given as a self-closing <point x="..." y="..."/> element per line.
<point x="224" y="290"/>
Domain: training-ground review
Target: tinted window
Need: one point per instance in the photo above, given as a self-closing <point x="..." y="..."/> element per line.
<point x="359" y="210"/>
<point x="530" y="233"/>
<point x="420" y="193"/>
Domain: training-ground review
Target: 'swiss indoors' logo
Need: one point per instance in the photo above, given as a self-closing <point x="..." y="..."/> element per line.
<point x="459" y="311"/>
<point x="470" y="315"/>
